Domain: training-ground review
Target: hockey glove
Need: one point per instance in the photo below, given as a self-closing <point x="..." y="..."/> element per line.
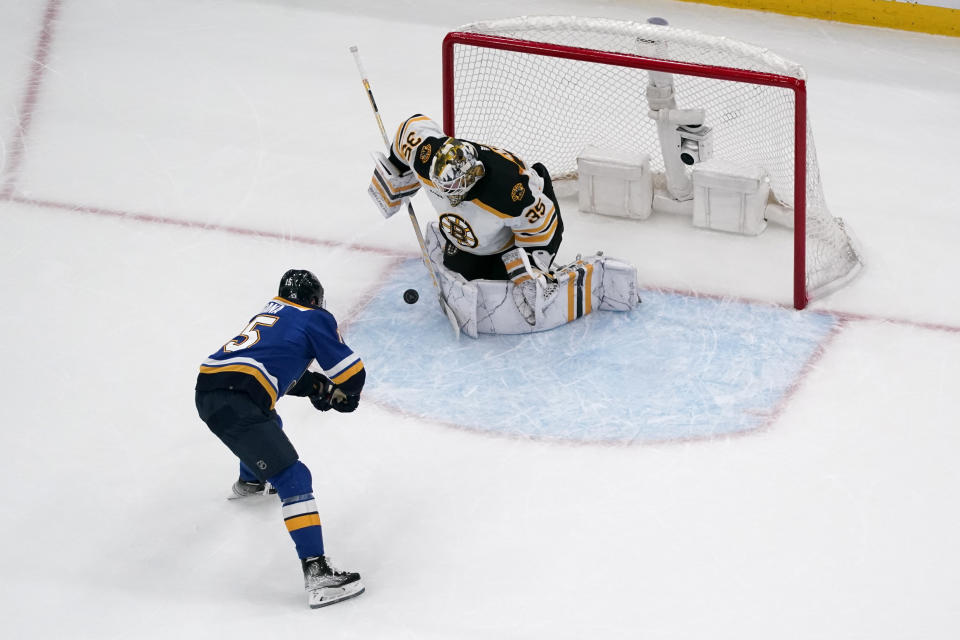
<point x="321" y="402"/>
<point x="315" y="386"/>
<point x="311" y="383"/>
<point x="344" y="403"/>
<point x="389" y="187"/>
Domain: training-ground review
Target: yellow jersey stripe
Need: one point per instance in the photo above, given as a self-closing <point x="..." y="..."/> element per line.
<point x="499" y="214"/>
<point x="348" y="373"/>
<point x="540" y="239"/>
<point x="401" y="134"/>
<point x="546" y="221"/>
<point x="506" y="155"/>
<point x="252" y="371"/>
<point x="292" y="304"/>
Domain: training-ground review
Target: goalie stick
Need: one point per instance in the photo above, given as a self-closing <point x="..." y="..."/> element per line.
<point x="444" y="306"/>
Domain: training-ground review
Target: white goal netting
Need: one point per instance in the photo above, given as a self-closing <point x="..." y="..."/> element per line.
<point x="547" y="87"/>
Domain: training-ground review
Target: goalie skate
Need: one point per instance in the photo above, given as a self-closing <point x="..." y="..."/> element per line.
<point x="326" y="585"/>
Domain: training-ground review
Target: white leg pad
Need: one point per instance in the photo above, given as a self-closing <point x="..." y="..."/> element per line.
<point x="620" y="291"/>
<point x="487" y="306"/>
<point x="460" y="294"/>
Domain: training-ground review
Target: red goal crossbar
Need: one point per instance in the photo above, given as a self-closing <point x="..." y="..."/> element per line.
<point x="796" y="85"/>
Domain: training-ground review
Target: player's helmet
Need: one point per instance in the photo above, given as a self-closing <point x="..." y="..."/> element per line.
<point x="455" y="168"/>
<point x="302" y="287"/>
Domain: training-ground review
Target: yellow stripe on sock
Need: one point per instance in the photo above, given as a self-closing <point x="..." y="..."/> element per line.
<point x="306" y="520"/>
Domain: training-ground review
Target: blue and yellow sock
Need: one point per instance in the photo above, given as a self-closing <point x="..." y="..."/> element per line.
<point x="295" y="488"/>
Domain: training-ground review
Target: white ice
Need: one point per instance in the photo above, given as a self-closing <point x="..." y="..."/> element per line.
<point x="165" y="162"/>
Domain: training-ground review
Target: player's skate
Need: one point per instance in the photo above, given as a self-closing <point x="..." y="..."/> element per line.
<point x="243" y="489"/>
<point x="326" y="585"/>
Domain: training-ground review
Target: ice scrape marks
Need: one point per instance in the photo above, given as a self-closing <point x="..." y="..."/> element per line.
<point x="677" y="367"/>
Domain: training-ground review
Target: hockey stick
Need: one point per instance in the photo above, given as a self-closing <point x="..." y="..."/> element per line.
<point x="444" y="306"/>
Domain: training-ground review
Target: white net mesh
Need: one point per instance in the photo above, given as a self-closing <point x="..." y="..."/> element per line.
<point x="549" y="108"/>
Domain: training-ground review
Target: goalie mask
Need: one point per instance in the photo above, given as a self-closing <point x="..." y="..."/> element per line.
<point x="455" y="169"/>
<point x="302" y="287"/>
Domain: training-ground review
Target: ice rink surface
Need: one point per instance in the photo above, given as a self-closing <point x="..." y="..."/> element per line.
<point x="164" y="163"/>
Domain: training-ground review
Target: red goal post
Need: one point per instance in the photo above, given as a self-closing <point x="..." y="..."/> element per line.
<point x="480" y="60"/>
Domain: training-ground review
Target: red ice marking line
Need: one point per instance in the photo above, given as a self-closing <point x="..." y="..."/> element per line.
<point x="843" y="317"/>
<point x="807" y="368"/>
<point x="565" y="441"/>
<point x="28" y="105"/>
<point x="207" y="226"/>
<point x="931" y="326"/>
<point x="372" y="291"/>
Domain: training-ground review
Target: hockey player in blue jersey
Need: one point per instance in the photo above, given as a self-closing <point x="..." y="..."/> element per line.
<point x="237" y="389"/>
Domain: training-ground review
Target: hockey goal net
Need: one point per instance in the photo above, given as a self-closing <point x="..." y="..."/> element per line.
<point x="547" y="87"/>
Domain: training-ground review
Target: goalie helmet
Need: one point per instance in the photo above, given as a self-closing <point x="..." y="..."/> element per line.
<point x="455" y="168"/>
<point x="302" y="287"/>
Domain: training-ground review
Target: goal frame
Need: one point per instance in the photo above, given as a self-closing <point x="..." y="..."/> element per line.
<point x="796" y="85"/>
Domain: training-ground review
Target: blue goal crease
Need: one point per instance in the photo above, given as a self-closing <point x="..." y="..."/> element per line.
<point x="675" y="368"/>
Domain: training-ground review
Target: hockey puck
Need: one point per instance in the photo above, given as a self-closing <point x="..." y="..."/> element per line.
<point x="410" y="296"/>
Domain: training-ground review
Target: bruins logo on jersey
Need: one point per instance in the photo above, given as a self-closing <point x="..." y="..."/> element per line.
<point x="517" y="194"/>
<point x="457" y="229"/>
<point x="425" y="152"/>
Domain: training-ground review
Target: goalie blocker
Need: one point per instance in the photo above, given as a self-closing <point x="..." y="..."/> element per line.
<point x="533" y="301"/>
<point x="389" y="186"/>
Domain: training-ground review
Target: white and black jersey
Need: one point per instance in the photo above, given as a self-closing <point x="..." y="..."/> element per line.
<point x="508" y="207"/>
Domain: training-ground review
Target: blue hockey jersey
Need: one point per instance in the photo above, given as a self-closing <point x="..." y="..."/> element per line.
<point x="275" y="348"/>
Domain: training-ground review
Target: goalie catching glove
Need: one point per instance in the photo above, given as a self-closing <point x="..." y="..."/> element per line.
<point x="389" y="186"/>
